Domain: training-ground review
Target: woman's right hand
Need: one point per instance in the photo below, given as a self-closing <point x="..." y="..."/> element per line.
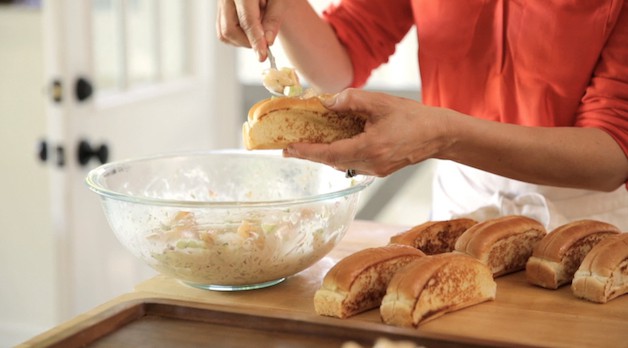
<point x="309" y="42"/>
<point x="249" y="23"/>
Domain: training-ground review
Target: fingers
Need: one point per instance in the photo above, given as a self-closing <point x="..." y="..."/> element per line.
<point x="332" y="155"/>
<point x="249" y="14"/>
<point x="387" y="144"/>
<point x="239" y="23"/>
<point x="251" y="24"/>
<point x="227" y="25"/>
<point x="313" y="152"/>
<point x="339" y="154"/>
<point x="272" y="20"/>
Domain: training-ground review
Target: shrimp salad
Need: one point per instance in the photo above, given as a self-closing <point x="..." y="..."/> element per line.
<point x="248" y="251"/>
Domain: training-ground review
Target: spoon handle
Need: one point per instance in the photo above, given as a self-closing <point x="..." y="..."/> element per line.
<point x="273" y="65"/>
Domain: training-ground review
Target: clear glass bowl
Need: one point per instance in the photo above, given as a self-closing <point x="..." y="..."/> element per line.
<point x="227" y="220"/>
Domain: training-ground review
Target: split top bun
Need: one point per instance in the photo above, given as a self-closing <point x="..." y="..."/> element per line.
<point x="276" y="122"/>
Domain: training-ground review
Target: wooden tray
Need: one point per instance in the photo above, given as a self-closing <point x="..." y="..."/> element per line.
<point x="163" y="312"/>
<point x="170" y="323"/>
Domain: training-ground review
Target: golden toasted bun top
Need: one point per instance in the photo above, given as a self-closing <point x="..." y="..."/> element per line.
<point x="430" y="229"/>
<point x="410" y="281"/>
<point x="484" y="234"/>
<point x="410" y="235"/>
<point x="605" y="256"/>
<point x="342" y="275"/>
<point x="266" y="106"/>
<point x="554" y="245"/>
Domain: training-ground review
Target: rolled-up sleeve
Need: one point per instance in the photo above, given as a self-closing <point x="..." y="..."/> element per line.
<point x="369" y="30"/>
<point x="605" y="102"/>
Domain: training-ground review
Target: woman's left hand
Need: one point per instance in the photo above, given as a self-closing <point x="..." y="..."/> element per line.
<point x="398" y="132"/>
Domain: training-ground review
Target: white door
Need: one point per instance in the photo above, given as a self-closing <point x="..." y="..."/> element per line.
<point x="129" y="78"/>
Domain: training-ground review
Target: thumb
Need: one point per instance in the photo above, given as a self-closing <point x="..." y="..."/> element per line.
<point x="353" y="100"/>
<point x="328" y="100"/>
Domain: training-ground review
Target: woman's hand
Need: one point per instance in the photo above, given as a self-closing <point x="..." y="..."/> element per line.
<point x="310" y="43"/>
<point x="398" y="132"/>
<point x="249" y="23"/>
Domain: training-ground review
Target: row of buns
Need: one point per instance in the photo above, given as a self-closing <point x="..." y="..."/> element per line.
<point x="408" y="286"/>
<point x="557" y="257"/>
<point x="442" y="266"/>
<point x="591" y="255"/>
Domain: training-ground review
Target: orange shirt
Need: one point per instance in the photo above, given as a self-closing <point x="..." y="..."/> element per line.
<point x="534" y="62"/>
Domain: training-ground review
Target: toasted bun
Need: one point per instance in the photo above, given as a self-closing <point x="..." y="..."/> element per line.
<point x="358" y="282"/>
<point x="434" y="285"/>
<point x="276" y="122"/>
<point x="434" y="237"/>
<point x="558" y="255"/>
<point x="503" y="244"/>
<point x="603" y="274"/>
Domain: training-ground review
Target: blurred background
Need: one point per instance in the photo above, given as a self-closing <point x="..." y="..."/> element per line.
<point x="86" y="82"/>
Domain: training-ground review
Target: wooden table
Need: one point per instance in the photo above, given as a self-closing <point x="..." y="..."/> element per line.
<point x="521" y="315"/>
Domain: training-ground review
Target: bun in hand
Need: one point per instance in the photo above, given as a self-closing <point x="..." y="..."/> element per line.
<point x="276" y="122"/>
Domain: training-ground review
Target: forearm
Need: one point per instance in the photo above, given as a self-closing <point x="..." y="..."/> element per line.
<point x="565" y="156"/>
<point x="314" y="49"/>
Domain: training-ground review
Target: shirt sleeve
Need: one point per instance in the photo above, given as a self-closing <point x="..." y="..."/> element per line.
<point x="605" y="102"/>
<point x="369" y="30"/>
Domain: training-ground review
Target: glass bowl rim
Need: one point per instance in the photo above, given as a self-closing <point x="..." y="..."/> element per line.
<point x="94" y="178"/>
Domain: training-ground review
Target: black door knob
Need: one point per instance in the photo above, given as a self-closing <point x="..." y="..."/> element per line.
<point x="83" y="89"/>
<point x="86" y="152"/>
<point x="42" y="150"/>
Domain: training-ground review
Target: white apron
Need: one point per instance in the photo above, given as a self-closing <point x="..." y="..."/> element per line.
<point x="462" y="191"/>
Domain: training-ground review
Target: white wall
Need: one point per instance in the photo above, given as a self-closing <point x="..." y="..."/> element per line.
<point x="26" y="256"/>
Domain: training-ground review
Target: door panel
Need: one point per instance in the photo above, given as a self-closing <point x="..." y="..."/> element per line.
<point x="154" y="66"/>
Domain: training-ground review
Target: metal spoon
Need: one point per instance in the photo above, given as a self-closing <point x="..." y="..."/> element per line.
<point x="271" y="58"/>
<point x="273" y="67"/>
